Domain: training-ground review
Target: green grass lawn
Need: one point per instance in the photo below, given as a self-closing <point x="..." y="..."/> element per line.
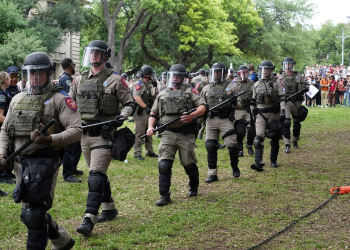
<point x="229" y="214"/>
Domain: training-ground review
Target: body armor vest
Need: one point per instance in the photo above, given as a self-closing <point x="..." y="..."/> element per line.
<point x="218" y="94"/>
<point x="147" y="97"/>
<point x="266" y="94"/>
<point x="247" y="96"/>
<point x="290" y="83"/>
<point x="27" y="114"/>
<point x="92" y="100"/>
<point x="176" y="101"/>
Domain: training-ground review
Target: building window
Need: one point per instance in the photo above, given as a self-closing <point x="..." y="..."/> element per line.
<point x="50" y="5"/>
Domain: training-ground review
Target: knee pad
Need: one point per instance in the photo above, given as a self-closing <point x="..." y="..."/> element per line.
<point x="191" y="170"/>
<point x="257" y="142"/>
<point x="211" y="146"/>
<point x="34" y="217"/>
<point x="96" y="181"/>
<point x="287" y="123"/>
<point x="165" y="166"/>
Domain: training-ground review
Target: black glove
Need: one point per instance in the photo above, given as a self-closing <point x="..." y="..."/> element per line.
<point x="118" y="121"/>
<point x="234" y="99"/>
<point x="3" y="164"/>
<point x="255" y="110"/>
<point x="282" y="115"/>
<point x="148" y="110"/>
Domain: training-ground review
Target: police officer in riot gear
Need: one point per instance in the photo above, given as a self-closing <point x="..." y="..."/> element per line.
<point x="171" y="103"/>
<point x="268" y="105"/>
<point x="292" y="82"/>
<point x="98" y="92"/>
<point x="217" y="91"/>
<point x="243" y="123"/>
<point x="144" y="93"/>
<point x="28" y="111"/>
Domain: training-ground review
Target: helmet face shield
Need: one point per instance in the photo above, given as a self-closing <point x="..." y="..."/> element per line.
<point x="288" y="66"/>
<point x="265" y="72"/>
<point x="93" y="56"/>
<point x="243" y="74"/>
<point x="175" y="79"/>
<point x="37" y="78"/>
<point x="216" y="75"/>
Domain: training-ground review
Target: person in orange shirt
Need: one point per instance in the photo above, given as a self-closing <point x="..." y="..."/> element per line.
<point x="341" y="90"/>
<point x="324" y="91"/>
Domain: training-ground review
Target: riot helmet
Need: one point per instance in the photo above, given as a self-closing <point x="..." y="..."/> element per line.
<point x="217" y="72"/>
<point x="148" y="70"/>
<point x="176" y="76"/>
<point x="201" y="71"/>
<point x="37" y="70"/>
<point x="96" y="54"/>
<point x="288" y="64"/>
<point x="265" y="69"/>
<point x="242" y="72"/>
<point x="125" y="76"/>
<point x="163" y="77"/>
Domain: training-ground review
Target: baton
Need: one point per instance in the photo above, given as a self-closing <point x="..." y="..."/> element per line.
<point x="298" y="93"/>
<point x="27" y="143"/>
<point x="102" y="123"/>
<point x="172" y="121"/>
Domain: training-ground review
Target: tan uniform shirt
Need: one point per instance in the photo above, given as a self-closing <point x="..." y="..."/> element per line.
<point x="141" y="87"/>
<point x="60" y="107"/>
<point x="115" y="85"/>
<point x="199" y="82"/>
<point x="197" y="100"/>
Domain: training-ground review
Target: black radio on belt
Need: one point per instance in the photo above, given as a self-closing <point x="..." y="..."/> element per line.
<point x="210" y="115"/>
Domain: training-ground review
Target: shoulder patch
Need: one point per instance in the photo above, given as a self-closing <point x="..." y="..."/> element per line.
<point x="124" y="83"/>
<point x="47" y="101"/>
<point x="105" y="83"/>
<point x="2" y="98"/>
<point x="69" y="82"/>
<point x="71" y="104"/>
<point x="194" y="91"/>
<point x="137" y="86"/>
<point x="63" y="93"/>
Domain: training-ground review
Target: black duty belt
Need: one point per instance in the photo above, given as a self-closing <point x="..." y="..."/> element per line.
<point x="174" y="130"/>
<point x="266" y="110"/>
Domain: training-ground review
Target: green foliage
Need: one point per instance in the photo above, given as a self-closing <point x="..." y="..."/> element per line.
<point x="11" y="19"/>
<point x="17" y="46"/>
<point x="327" y="43"/>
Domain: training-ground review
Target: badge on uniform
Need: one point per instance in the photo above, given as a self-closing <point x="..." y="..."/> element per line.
<point x="124" y="83"/>
<point x="2" y="98"/>
<point x="296" y="77"/>
<point x="283" y="89"/>
<point x="71" y="104"/>
<point x="194" y="91"/>
<point x="47" y="101"/>
<point x="69" y="82"/>
<point x="105" y="83"/>
<point x="137" y="86"/>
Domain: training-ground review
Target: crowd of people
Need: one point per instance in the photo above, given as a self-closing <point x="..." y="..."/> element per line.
<point x="332" y="81"/>
<point x="241" y="107"/>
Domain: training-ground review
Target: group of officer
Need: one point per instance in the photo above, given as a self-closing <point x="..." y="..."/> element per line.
<point x="230" y="106"/>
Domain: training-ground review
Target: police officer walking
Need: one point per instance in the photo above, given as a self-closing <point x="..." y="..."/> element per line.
<point x="243" y="123"/>
<point x="217" y="91"/>
<point x="43" y="102"/>
<point x="98" y="92"/>
<point x="73" y="151"/>
<point x="292" y="82"/>
<point x="13" y="89"/>
<point x="268" y="106"/>
<point x="171" y="103"/>
<point x="144" y="93"/>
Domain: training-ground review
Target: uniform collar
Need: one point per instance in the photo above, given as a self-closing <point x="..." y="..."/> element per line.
<point x="98" y="74"/>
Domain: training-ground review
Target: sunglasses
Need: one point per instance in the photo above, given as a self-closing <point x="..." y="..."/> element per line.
<point x="14" y="77"/>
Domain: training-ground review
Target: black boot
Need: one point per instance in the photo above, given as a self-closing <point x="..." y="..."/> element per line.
<point x="258" y="166"/>
<point x="295" y="144"/>
<point x="240" y="154"/>
<point x="194" y="183"/>
<point x="211" y="179"/>
<point x="250" y="150"/>
<point x="275" y="147"/>
<point x="86" y="228"/>
<point x="287" y="149"/>
<point x="107" y="215"/>
<point x="164" y="200"/>
<point x="234" y="154"/>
